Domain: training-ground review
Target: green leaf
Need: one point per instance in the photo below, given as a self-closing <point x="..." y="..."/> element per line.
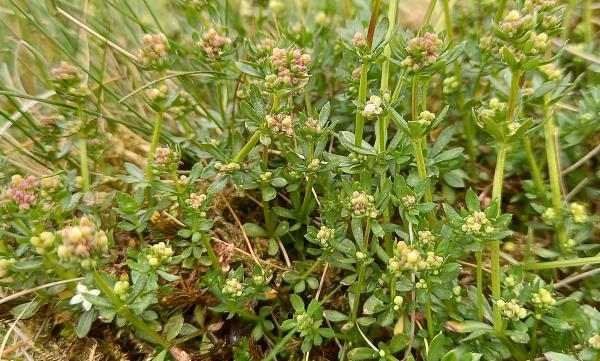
<point x="26" y="310"/>
<point x="167" y="276"/>
<point x="173" y="326"/>
<point x="249" y="68"/>
<point x="161" y="355"/>
<point x="556" y="356"/>
<point x="85" y="323"/>
<point x="282" y="228"/>
<point x="362" y="353"/>
<point x="436" y="348"/>
<point x="254" y="230"/>
<point x="335" y="316"/>
<point x="297" y="303"/>
<point x="472" y="201"/>
<point x="347" y="140"/>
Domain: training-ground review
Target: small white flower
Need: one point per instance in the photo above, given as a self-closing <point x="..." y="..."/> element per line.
<point x="82" y="290"/>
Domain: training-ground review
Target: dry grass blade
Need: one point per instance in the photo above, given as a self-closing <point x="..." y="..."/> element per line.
<point x="31" y="290"/>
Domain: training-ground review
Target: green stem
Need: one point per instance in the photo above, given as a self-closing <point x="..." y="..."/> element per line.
<point x="428" y="14"/>
<point x="479" y="258"/>
<point x="359" y="286"/>
<point x="312" y="268"/>
<point x="123" y="309"/>
<point x="500" y="11"/>
<point x="564" y="263"/>
<point x="214" y="260"/>
<point x="567" y="17"/>
<point x="85" y="171"/>
<point x="310" y="181"/>
<point x="588" y="25"/>
<point x="281" y="344"/>
<point x="385" y="74"/>
<point x="154" y="144"/>
<point x="248" y="147"/>
<point x="495" y="245"/>
<point x="535" y="170"/>
<point x="534" y="340"/>
<point x="550" y="132"/>
<point x="420" y="160"/>
<point x="430" y="325"/>
<point x="362" y="98"/>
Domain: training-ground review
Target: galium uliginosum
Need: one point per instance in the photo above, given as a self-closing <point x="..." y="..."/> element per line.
<point x="331" y="180"/>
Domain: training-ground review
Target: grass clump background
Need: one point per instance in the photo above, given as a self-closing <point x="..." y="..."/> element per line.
<point x="299" y="180"/>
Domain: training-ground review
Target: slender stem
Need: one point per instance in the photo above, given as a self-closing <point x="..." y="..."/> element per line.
<point x="534" y="339"/>
<point x="310" y="181"/>
<point x="567" y="17"/>
<point x="495" y="245"/>
<point x="479" y="258"/>
<point x="85" y="171"/>
<point x="535" y="170"/>
<point x="588" y="25"/>
<point x="500" y="11"/>
<point x="281" y="344"/>
<point x="550" y="132"/>
<point x="430" y="325"/>
<point x="362" y="98"/>
<point x="154" y="144"/>
<point x="214" y="260"/>
<point x="385" y="74"/>
<point x="359" y="286"/>
<point x="312" y="268"/>
<point x="123" y="309"/>
<point x="420" y="160"/>
<point x="428" y="14"/>
<point x="574" y="262"/>
<point x="247" y="148"/>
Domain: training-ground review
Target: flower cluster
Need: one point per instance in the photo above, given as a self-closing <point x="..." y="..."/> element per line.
<point x="426" y="237"/>
<point x="43" y="242"/>
<point x="195" y="200"/>
<point x="325" y="235"/>
<point x="290" y="69"/>
<point x="373" y="107"/>
<point x="227" y="168"/>
<point x="406" y="258"/>
<point x="422" y="51"/>
<point x="361" y="205"/>
<point x="213" y="45"/>
<point x="594" y="342"/>
<point x="477" y="223"/>
<point x="67" y="79"/>
<point x="511" y="309"/>
<point x="159" y="254"/>
<point x="5" y="264"/>
<point x="311" y="125"/>
<point x="281" y="123"/>
<point x="543" y="299"/>
<point x="314" y="165"/>
<point x="154" y="51"/>
<point x="21" y="191"/>
<point x="425" y="118"/>
<point x="433" y="262"/>
<point x="495" y="107"/>
<point x="156" y="96"/>
<point x="551" y="71"/>
<point x="79" y="298"/>
<point x="81" y="242"/>
<point x="398" y="301"/>
<point x="304" y="321"/>
<point x="409" y="201"/>
<point x="514" y="22"/>
<point x="121" y="287"/>
<point x="578" y="212"/>
<point x="264" y="47"/>
<point x="163" y="156"/>
<point x="233" y="288"/>
<point x="182" y="105"/>
<point x="359" y="40"/>
<point x="450" y="85"/>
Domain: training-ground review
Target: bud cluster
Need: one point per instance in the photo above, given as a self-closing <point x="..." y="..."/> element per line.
<point x="21" y="191"/>
<point x="304" y="321"/>
<point x="425" y="118"/>
<point x="121" y="287"/>
<point x="314" y="165"/>
<point x="398" y="301"/>
<point x="154" y="51"/>
<point x="290" y="68"/>
<point x="594" y="342"/>
<point x="196" y="201"/>
<point x="311" y="126"/>
<point x="426" y="237"/>
<point x="477" y="223"/>
<point x="281" y="123"/>
<point x="543" y="299"/>
<point x="67" y="78"/>
<point x="227" y="168"/>
<point x="578" y="212"/>
<point x="325" y="235"/>
<point x="450" y="85"/>
<point x="213" y="45"/>
<point x="422" y="51"/>
<point x="359" y="40"/>
<point x="233" y="288"/>
<point x="361" y="204"/>
<point x="406" y="258"/>
<point x="182" y="105"/>
<point x="157" y="96"/>
<point x="5" y="263"/>
<point x="373" y="107"/>
<point x="264" y="47"/>
<point x="81" y="242"/>
<point x="159" y="254"/>
<point x="43" y="242"/>
<point x="511" y="309"/>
